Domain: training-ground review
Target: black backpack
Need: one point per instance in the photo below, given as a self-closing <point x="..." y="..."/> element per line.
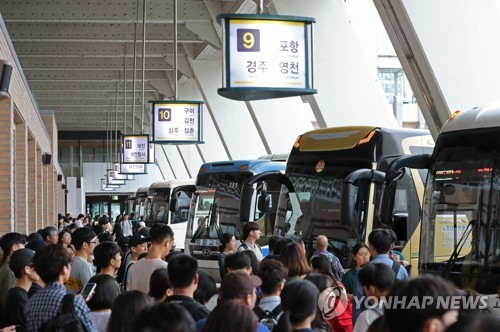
<point x="395" y="267"/>
<point x="121" y="270"/>
<point x="66" y="320"/>
<point x="268" y="318"/>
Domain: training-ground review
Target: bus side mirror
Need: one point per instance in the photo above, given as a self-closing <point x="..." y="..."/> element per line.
<point x="400" y="226"/>
<point x="387" y="201"/>
<point x="264" y="203"/>
<point x="187" y="189"/>
<point x="173" y="204"/>
<point x="395" y="172"/>
<point x="350" y="189"/>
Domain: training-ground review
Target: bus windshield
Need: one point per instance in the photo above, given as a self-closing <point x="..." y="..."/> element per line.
<point x="159" y="209"/>
<point x="314" y="208"/>
<point x="215" y="206"/>
<point x="461" y="227"/>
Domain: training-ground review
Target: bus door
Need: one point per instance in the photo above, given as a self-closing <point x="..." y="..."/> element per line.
<point x="178" y="208"/>
<point x="259" y="201"/>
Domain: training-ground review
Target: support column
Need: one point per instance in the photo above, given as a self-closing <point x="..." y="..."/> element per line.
<point x="40" y="222"/>
<point x="46" y="196"/>
<point x="33" y="211"/>
<point x="21" y="181"/>
<point x="6" y="166"/>
<point x="50" y="195"/>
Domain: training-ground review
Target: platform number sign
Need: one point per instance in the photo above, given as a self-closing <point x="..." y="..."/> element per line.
<point x="176" y="121"/>
<point x="248" y="40"/>
<point x="135" y="149"/>
<point x="164" y="114"/>
<point x="266" y="56"/>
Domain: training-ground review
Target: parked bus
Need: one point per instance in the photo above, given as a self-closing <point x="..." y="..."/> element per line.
<point x="176" y="216"/>
<point x="460" y="235"/>
<point x="127" y="205"/>
<point x="215" y="207"/>
<point x="332" y="185"/>
<point x="141" y="202"/>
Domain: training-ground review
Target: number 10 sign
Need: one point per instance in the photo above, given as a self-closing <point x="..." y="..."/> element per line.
<point x="177" y="122"/>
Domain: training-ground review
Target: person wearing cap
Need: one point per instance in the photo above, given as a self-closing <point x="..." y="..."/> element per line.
<point x="238" y="285"/>
<point x="183" y="276"/>
<point x="138" y="245"/>
<point x="20" y="264"/>
<point x="162" y="239"/>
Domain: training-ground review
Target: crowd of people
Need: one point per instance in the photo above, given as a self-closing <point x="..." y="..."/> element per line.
<point x="142" y="284"/>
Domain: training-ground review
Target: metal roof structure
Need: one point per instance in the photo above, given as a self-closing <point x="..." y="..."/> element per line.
<point x="78" y="56"/>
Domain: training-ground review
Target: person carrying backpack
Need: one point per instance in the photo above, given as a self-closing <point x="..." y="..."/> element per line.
<point x="67" y="320"/>
<point x="52" y="263"/>
<point x="269" y="310"/>
<point x="251" y="233"/>
<point x="380" y="241"/>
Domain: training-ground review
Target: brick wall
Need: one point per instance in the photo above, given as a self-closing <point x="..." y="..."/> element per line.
<point x="21" y="182"/>
<point x="6" y="166"/>
<point x="30" y="195"/>
<point x="33" y="212"/>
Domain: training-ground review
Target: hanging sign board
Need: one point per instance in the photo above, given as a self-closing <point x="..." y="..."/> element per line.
<point x="104" y="186"/>
<point x="133" y="169"/>
<point x="116" y="173"/>
<point x="135" y="149"/>
<point x="111" y="178"/>
<point x="266" y="56"/>
<point x="151" y="153"/>
<point x="177" y="122"/>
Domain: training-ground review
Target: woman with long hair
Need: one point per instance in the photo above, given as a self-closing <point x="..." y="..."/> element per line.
<point x="231" y="315"/>
<point x="65" y="241"/>
<point x="361" y="256"/>
<point x="126" y="308"/>
<point x="227" y="246"/>
<point x="293" y="257"/>
<point x="105" y="293"/>
<point x="322" y="267"/>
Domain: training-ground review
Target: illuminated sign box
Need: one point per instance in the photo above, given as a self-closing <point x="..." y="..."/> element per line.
<point x="111" y="178"/>
<point x="132" y="169"/>
<point x="151" y="153"/>
<point x="177" y="122"/>
<point x="266" y="56"/>
<point x="116" y="173"/>
<point x="104" y="186"/>
<point x="135" y="149"/>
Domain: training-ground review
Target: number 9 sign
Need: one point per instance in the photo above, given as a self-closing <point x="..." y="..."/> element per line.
<point x="248" y="40"/>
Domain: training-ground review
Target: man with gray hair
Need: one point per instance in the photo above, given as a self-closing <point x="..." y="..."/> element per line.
<point x="322" y="249"/>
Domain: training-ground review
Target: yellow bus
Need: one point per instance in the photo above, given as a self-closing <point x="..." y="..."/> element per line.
<point x="460" y="236"/>
<point x="332" y="186"/>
